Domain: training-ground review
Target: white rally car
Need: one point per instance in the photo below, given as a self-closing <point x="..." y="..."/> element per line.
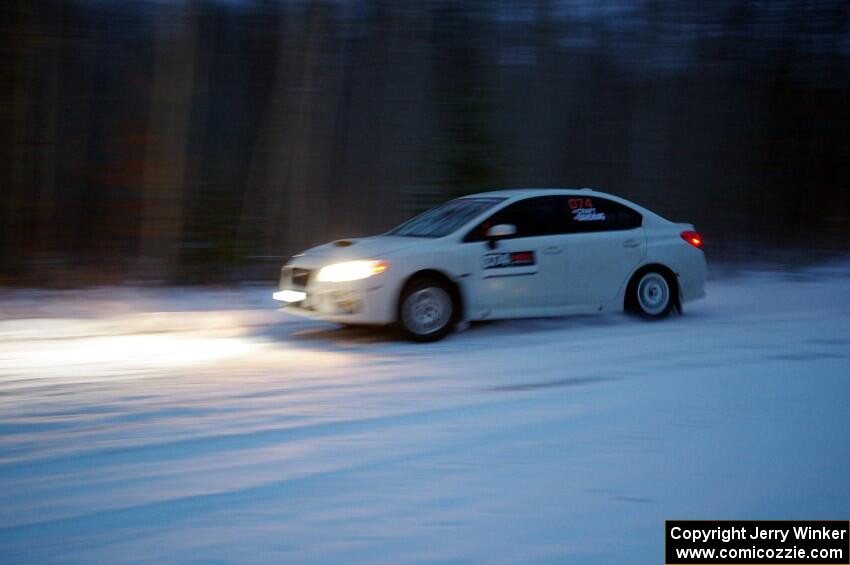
<point x="503" y="254"/>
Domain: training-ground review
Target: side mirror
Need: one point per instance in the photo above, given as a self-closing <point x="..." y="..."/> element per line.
<point x="499" y="231"/>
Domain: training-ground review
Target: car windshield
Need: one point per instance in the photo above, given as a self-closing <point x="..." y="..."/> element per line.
<point x="446" y="218"/>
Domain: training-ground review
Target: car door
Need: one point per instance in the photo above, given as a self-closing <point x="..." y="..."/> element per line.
<point x="605" y="244"/>
<point x="524" y="274"/>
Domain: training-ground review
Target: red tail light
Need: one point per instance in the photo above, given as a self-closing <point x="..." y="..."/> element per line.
<point x="693" y="238"/>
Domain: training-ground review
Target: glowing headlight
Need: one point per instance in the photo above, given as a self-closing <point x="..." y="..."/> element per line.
<point x="351" y="271"/>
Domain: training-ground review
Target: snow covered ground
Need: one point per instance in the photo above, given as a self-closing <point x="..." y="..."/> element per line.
<point x="204" y="426"/>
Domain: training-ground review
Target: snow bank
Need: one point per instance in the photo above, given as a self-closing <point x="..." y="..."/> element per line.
<point x="182" y="425"/>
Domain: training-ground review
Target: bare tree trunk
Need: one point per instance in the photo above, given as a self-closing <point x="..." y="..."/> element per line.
<point x="167" y="140"/>
<point x="45" y="230"/>
<point x="304" y="182"/>
<point x="17" y="114"/>
<point x="295" y="175"/>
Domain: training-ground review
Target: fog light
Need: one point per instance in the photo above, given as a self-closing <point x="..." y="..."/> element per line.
<point x="346" y="302"/>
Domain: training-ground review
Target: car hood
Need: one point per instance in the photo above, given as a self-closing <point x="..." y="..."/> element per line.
<point x="375" y="247"/>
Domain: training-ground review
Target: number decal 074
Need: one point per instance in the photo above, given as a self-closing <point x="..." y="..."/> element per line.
<point x="507" y="259"/>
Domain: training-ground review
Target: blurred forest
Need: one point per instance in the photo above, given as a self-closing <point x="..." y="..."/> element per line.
<point x="206" y="141"/>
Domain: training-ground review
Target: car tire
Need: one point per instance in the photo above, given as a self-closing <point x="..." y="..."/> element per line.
<point x="426" y="310"/>
<point x="651" y="295"/>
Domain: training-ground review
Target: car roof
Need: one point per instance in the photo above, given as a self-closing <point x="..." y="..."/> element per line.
<point x="525" y="192"/>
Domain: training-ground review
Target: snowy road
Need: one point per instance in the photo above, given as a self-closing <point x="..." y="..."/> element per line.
<point x="207" y="427"/>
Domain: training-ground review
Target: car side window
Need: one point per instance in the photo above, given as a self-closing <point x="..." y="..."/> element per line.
<point x="593" y="214"/>
<point x="537" y="216"/>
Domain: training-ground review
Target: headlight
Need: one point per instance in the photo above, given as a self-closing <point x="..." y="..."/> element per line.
<point x="351" y="271"/>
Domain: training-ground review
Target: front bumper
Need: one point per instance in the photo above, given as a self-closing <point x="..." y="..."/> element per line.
<point x="366" y="301"/>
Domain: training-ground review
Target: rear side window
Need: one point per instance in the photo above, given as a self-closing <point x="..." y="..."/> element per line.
<point x="542" y="215"/>
<point x="592" y="214"/>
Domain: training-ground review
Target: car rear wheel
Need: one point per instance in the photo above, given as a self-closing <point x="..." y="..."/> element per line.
<point x="651" y="295"/>
<point x="426" y="310"/>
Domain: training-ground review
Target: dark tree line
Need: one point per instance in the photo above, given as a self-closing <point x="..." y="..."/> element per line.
<point x="207" y="141"/>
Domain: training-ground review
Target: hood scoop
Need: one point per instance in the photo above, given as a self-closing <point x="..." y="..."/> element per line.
<point x="343" y="243"/>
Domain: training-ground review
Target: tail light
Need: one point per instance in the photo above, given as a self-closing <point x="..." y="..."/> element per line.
<point x="692" y="237"/>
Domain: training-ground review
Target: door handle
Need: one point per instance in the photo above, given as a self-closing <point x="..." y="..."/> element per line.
<point x="631" y="243"/>
<point x="552" y="250"/>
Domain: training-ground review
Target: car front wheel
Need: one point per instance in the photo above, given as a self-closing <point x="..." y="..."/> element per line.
<point x="426" y="310"/>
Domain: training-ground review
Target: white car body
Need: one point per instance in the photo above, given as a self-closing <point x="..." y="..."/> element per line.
<point x="566" y="273"/>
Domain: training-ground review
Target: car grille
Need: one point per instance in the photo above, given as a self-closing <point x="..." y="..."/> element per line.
<point x="300" y="277"/>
